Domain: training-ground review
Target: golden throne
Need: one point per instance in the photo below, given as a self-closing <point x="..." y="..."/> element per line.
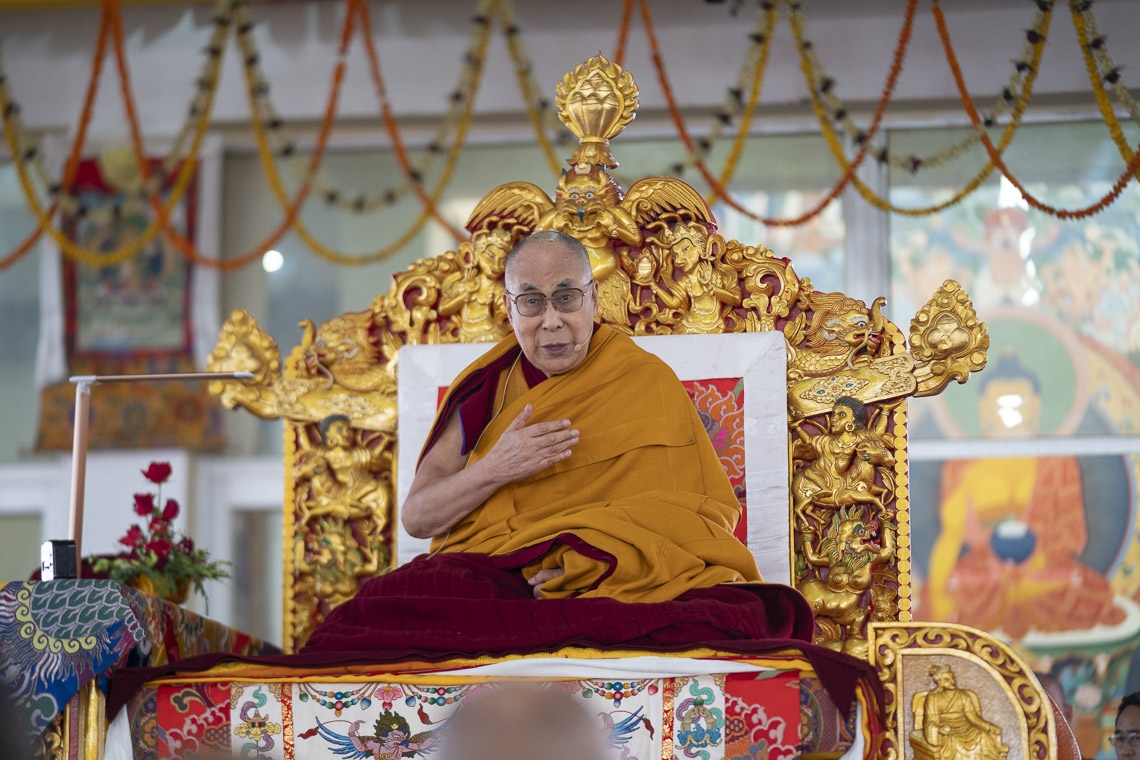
<point x="662" y="270"/>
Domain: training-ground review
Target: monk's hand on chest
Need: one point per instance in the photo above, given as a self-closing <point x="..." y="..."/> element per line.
<point x="526" y="449"/>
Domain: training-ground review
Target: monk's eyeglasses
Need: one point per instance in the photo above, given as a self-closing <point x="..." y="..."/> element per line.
<point x="565" y="300"/>
<point x="1131" y="739"/>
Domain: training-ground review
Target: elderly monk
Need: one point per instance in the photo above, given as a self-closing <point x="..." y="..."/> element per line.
<point x="575" y="455"/>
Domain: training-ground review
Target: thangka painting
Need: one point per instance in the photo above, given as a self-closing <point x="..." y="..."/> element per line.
<point x="1035" y="540"/>
<point x="130" y="317"/>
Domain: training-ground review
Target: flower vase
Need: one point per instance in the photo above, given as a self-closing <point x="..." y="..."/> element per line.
<point x="176" y="592"/>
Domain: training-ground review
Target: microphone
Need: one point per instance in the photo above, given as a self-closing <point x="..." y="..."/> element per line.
<point x="579" y="346"/>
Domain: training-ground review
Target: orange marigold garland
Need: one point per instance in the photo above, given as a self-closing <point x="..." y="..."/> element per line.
<point x="162" y="215"/>
<point x="995" y="155"/>
<point x="276" y="186"/>
<point x="849" y="173"/>
<point x="623" y="31"/>
<point x="414" y="174"/>
<point x="542" y="116"/>
<point x="1016" y="91"/>
<point x="837" y="150"/>
<point x="195" y="124"/>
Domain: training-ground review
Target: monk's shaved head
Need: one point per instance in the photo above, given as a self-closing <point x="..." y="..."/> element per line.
<point x="522" y="723"/>
<point x="549" y="239"/>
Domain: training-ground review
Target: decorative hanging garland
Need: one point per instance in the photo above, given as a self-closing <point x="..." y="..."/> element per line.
<point x="67" y="247"/>
<point x="188" y="168"/>
<point x="279" y="192"/>
<point x="763" y="38"/>
<point x="291" y="207"/>
<point x="197" y="120"/>
<point x="995" y="154"/>
<point x="1096" y="75"/>
<point x="161" y="212"/>
<point x="542" y="117"/>
<point x="835" y="144"/>
<point x="196" y="124"/>
<point x="268" y="127"/>
<point x="285" y="146"/>
<point x="623" y="31"/>
<point x="849" y="170"/>
<point x="18" y="144"/>
<point x="1097" y="47"/>
<point x="1013" y="92"/>
<point x="430" y="203"/>
<point x="749" y="78"/>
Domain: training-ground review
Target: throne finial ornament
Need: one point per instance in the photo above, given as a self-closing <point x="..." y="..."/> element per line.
<point x="596" y="101"/>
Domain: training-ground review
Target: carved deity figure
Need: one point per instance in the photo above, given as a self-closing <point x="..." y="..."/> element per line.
<point x="342" y="508"/>
<point x="843" y="463"/>
<point x="949" y="724"/>
<point x="338" y="479"/>
<point x="587" y="206"/>
<point x="475" y="292"/>
<point x="849" y="553"/>
<point x="706" y="287"/>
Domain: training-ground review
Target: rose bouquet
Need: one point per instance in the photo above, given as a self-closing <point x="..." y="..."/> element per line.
<point x="158" y="560"/>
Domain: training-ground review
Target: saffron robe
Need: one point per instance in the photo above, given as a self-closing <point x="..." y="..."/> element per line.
<point x="641" y="511"/>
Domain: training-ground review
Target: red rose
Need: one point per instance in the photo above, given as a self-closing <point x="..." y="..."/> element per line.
<point x="132" y="537"/>
<point x="158" y="525"/>
<point x="186" y="545"/>
<point x="170" y="511"/>
<point x="144" y="504"/>
<point x="161" y="548"/>
<point x="158" y="472"/>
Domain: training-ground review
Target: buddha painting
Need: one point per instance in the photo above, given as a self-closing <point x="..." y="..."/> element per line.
<point x="1013" y="529"/>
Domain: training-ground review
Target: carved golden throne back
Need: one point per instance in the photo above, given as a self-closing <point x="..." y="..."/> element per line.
<point x="662" y="268"/>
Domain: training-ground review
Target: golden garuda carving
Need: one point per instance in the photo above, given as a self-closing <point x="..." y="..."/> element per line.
<point x="662" y="268"/>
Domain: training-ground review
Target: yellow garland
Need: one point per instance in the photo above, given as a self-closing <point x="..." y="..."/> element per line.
<point x="523" y="66"/>
<point x="301" y="168"/>
<point x="912" y="163"/>
<point x="1102" y="101"/>
<point x="88" y="256"/>
<point x="265" y="154"/>
<point x="1100" y="52"/>
<point x="733" y="159"/>
<point x="752" y="70"/>
<point x="867" y="193"/>
<point x="196" y="121"/>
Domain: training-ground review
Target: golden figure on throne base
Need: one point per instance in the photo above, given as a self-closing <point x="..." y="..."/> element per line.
<point x="948" y="723"/>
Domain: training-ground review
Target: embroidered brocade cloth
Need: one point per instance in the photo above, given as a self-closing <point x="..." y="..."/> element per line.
<point x="778" y="714"/>
<point x="56" y="636"/>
